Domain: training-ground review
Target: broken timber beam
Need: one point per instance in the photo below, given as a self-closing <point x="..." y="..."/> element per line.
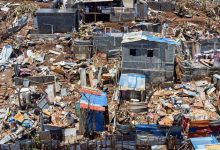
<point x="34" y="80"/>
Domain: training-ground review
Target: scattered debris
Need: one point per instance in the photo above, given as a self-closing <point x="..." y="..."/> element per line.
<point x="109" y="74"/>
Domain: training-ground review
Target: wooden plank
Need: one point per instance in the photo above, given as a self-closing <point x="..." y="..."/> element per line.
<point x="91" y="77"/>
<point x="35" y="80"/>
<point x="92" y="107"/>
<point x="89" y="91"/>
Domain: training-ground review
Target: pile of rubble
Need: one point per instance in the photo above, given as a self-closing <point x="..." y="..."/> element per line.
<point x="45" y="71"/>
<point x="183" y="110"/>
<point x="68" y="86"/>
<point x="44" y="82"/>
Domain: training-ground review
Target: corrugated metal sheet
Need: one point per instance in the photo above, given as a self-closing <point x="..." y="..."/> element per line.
<point x="5" y="54"/>
<point x="162" y="6"/>
<point x="199" y="143"/>
<point x="213" y="147"/>
<point x="96" y="120"/>
<point x="128" y="3"/>
<point x="122" y="14"/>
<point x="138" y="36"/>
<point x="45" y="11"/>
<point x="132" y="82"/>
<point x="106" y="43"/>
<point x="95" y="101"/>
<point x="142" y="11"/>
<point x="56" y="20"/>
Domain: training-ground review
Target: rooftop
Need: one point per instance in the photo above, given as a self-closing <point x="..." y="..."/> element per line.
<point x="49" y="11"/>
<point x="142" y="35"/>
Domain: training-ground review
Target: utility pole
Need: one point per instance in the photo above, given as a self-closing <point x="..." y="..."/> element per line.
<point x="19" y="96"/>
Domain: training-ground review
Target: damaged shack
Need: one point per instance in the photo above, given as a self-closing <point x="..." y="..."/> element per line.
<point x="95" y="10"/>
<point x="93" y="104"/>
<point x="132" y="87"/>
<point x="51" y="21"/>
<point x="109" y="74"/>
<point x="144" y="53"/>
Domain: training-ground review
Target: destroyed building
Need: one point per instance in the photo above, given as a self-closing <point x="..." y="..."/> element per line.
<point x="199" y="58"/>
<point x="163" y="5"/>
<point x="50" y="21"/>
<point x="94" y="119"/>
<point x="147" y="54"/>
<point x="132" y="86"/>
<point x="83" y="49"/>
<point x="95" y="10"/>
<point x="111" y="10"/>
<point x="106" y="42"/>
<point x="208" y="44"/>
<point x="91" y="77"/>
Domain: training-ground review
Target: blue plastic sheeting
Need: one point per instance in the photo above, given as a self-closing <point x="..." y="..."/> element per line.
<point x="95" y="121"/>
<point x="137" y="36"/>
<point x="146" y="127"/>
<point x="157" y="133"/>
<point x="158" y="39"/>
<point x="132" y="82"/>
<point x="149" y="128"/>
<point x="153" y="128"/>
<point x="94" y="99"/>
<point x="199" y="143"/>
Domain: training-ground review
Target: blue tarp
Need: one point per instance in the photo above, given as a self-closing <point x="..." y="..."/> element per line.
<point x="156" y="131"/>
<point x="137" y="36"/>
<point x="132" y="82"/>
<point x="94" y="99"/>
<point x="158" y="39"/>
<point x="200" y="142"/>
<point x="95" y="121"/>
<point x="95" y="118"/>
<point x="146" y="127"/>
<point x="149" y="128"/>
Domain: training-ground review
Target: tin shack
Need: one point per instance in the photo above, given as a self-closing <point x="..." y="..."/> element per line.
<point x="51" y="21"/>
<point x="152" y="56"/>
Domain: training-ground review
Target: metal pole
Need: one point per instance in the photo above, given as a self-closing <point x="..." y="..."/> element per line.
<point x="51" y="25"/>
<point x="41" y="121"/>
<point x="52" y="28"/>
<point x="19" y="98"/>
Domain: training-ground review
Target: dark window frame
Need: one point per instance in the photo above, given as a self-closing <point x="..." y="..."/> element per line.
<point x="133" y="52"/>
<point x="150" y="53"/>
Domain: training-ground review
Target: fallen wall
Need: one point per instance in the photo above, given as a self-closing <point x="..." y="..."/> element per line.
<point x="121" y="14"/>
<point x="193" y="73"/>
<point x="162" y="6"/>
